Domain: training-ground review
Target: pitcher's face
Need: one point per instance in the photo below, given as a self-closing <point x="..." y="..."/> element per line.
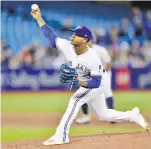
<point x="77" y="40"/>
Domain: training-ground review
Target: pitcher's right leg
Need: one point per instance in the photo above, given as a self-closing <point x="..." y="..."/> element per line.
<point x="99" y="108"/>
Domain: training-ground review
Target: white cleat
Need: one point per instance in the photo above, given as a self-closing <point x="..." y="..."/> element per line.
<point x="53" y="141"/>
<point x="140" y="119"/>
<point x="85" y="119"/>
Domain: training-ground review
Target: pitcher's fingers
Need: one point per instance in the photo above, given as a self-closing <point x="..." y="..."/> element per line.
<point x="33" y="11"/>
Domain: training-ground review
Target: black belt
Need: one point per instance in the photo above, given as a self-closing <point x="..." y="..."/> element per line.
<point x="104" y="70"/>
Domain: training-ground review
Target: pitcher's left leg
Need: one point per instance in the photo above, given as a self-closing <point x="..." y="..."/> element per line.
<point x="62" y="133"/>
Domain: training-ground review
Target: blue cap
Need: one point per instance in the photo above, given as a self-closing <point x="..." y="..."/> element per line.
<point x="83" y="31"/>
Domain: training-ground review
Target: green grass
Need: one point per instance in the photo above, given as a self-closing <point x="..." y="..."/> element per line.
<point x="125" y="101"/>
<point x="40" y="102"/>
<point x="57" y="102"/>
<point x="21" y="133"/>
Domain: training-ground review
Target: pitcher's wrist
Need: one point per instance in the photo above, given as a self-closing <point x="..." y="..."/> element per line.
<point x="40" y="21"/>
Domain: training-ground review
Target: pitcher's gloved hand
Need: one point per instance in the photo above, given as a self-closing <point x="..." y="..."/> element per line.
<point x="68" y="75"/>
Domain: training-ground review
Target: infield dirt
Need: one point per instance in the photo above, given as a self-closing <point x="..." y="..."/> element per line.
<point x="138" y="140"/>
<point x="135" y="140"/>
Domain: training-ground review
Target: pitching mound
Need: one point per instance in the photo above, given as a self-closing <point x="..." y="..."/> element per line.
<point x="138" y="140"/>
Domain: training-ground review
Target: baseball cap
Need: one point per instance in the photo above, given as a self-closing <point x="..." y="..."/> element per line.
<point x="83" y="31"/>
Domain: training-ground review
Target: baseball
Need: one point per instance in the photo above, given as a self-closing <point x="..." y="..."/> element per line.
<point x="34" y="6"/>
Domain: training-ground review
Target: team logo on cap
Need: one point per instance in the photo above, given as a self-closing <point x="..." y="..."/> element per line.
<point x="79" y="27"/>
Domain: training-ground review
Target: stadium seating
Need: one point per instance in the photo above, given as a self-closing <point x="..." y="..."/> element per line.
<point x="20" y="31"/>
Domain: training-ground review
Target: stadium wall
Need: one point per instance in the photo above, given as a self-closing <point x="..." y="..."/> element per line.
<point x="32" y="79"/>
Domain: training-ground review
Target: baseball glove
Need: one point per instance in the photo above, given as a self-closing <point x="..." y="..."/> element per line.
<point x="68" y="75"/>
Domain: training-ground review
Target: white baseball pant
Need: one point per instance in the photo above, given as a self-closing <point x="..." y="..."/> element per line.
<point x="96" y="100"/>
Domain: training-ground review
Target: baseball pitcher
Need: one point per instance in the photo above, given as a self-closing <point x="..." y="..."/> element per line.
<point x="86" y="71"/>
<point x="106" y="61"/>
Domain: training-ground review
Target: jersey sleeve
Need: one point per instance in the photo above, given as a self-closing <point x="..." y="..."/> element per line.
<point x="62" y="44"/>
<point x="66" y="48"/>
<point x="96" y="69"/>
<point x="95" y="65"/>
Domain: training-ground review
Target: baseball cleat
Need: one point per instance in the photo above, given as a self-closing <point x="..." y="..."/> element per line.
<point x="85" y="119"/>
<point x="140" y="119"/>
<point x="53" y="141"/>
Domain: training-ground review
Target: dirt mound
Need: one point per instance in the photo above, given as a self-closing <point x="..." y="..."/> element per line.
<point x="137" y="140"/>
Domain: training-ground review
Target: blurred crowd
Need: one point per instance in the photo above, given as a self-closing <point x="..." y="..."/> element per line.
<point x="33" y="55"/>
<point x="129" y="45"/>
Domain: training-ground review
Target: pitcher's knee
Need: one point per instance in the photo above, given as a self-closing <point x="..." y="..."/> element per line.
<point x="104" y="117"/>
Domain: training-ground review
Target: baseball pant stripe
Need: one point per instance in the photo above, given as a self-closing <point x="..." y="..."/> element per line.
<point x="72" y="111"/>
